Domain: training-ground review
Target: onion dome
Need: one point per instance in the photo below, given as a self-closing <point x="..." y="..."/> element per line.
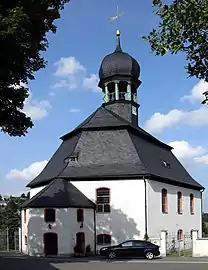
<point x="119" y="64"/>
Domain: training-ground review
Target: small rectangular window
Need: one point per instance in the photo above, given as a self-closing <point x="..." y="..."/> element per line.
<point x="80" y="215"/>
<point x="103" y="208"/>
<point x="103" y="239"/>
<point x="179" y="203"/>
<point x="49" y="215"/>
<point x="103" y="200"/>
<point x="180" y="235"/>
<point x="26" y="240"/>
<point x="164" y="201"/>
<point x="25" y="215"/>
<point x="192" y="204"/>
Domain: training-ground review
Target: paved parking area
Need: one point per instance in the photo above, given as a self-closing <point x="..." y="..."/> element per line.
<point x="31" y="263"/>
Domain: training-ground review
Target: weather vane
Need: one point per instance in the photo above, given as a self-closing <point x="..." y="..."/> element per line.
<point x="117" y="16"/>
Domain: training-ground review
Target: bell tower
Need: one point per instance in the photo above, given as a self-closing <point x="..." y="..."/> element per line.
<point x="119" y="79"/>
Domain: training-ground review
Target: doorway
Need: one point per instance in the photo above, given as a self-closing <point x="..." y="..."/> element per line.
<point x="50" y="241"/>
<point x="80" y="242"/>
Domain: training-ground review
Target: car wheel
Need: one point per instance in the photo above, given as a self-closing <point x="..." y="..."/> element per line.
<point x="111" y="255"/>
<point x="149" y="255"/>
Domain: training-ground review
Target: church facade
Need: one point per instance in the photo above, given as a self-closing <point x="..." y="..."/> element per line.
<point x="129" y="185"/>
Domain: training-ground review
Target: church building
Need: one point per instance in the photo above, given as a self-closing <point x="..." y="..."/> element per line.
<point x="110" y="180"/>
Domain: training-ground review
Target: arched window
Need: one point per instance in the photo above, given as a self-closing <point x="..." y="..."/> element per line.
<point x="103" y="239"/>
<point x="111" y="91"/>
<point x="192" y="204"/>
<point x="164" y="201"/>
<point x="180" y="235"/>
<point x="103" y="200"/>
<point x="179" y="203"/>
<point x="49" y="215"/>
<point x="80" y="215"/>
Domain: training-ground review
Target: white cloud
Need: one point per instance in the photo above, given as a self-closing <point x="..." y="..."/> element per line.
<point x="202" y="159"/>
<point x="74" y="110"/>
<point x="36" y="109"/>
<point x="183" y="150"/>
<point x="72" y="72"/>
<point x="28" y="173"/>
<point x="16" y="86"/>
<point x="197" y="91"/>
<point x="71" y="83"/>
<point x="188" y="153"/>
<point x="68" y="66"/>
<point x="52" y="94"/>
<point x="91" y="83"/>
<point x="158" y="121"/>
<point x="73" y="75"/>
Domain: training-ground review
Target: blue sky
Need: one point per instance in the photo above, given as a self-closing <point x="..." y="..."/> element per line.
<point x="65" y="93"/>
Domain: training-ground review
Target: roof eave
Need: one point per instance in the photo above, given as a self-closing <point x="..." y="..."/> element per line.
<point x="56" y="206"/>
<point x="125" y="177"/>
<point x="175" y="182"/>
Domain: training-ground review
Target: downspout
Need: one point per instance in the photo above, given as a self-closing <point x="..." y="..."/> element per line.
<point x="201" y="191"/>
<point x="145" y="198"/>
<point x="20" y="240"/>
<point x="95" y="231"/>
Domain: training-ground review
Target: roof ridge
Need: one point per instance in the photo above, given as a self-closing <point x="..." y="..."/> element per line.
<point x="36" y="196"/>
<point x="129" y="133"/>
<point x="66" y="186"/>
<point x="66" y="163"/>
<point x="90" y="117"/>
<point x="138" y="128"/>
<point x="117" y="116"/>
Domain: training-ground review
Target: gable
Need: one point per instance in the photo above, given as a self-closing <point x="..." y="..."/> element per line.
<point x="59" y="194"/>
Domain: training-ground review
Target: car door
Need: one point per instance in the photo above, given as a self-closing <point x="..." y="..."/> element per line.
<point x="125" y="249"/>
<point x="138" y="248"/>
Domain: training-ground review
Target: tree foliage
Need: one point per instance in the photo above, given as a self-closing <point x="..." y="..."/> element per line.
<point x="183" y="27"/>
<point x="23" y="28"/>
<point x="10" y="217"/>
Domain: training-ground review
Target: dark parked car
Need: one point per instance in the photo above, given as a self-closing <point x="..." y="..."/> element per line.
<point x="131" y="248"/>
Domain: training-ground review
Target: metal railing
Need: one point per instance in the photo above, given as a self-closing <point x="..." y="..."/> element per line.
<point x="121" y="96"/>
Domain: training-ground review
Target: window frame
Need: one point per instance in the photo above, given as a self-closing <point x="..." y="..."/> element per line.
<point x="103" y="207"/>
<point x="80" y="215"/>
<point x="192" y="204"/>
<point x="164" y="202"/>
<point x="180" y="235"/>
<point x="180" y="203"/>
<point x="103" y="235"/>
<point x="45" y="215"/>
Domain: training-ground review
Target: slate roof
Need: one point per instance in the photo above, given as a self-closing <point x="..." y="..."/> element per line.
<point x="111" y="148"/>
<point x="59" y="194"/>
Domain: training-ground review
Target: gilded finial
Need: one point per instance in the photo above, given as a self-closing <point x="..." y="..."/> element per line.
<point x="118" y="33"/>
<point x="118" y="43"/>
